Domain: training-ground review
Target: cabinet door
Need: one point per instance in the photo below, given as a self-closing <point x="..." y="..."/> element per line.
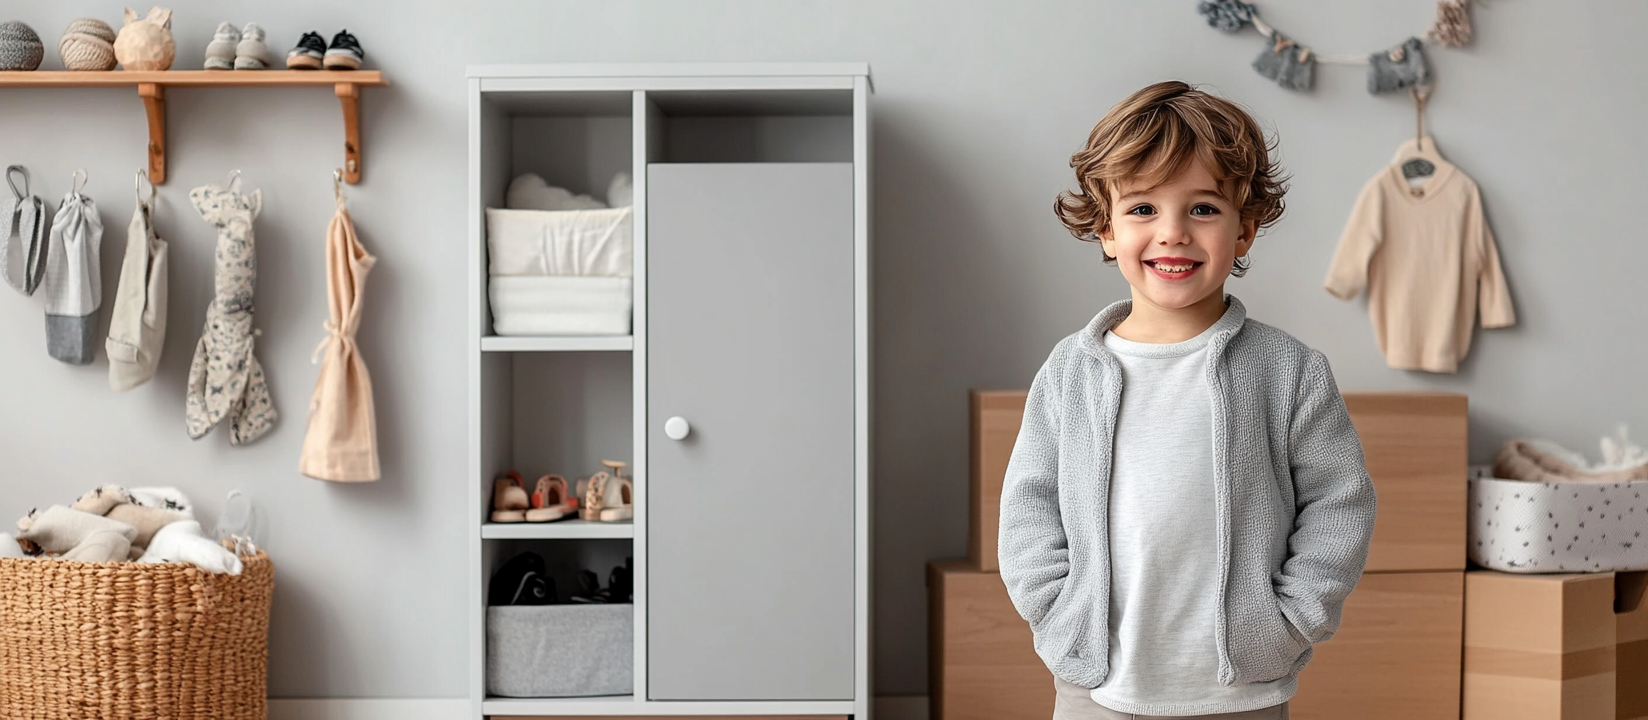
<point x="750" y="576"/>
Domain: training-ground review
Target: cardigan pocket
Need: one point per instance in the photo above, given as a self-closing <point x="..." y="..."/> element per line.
<point x="1062" y="632"/>
<point x="1282" y="652"/>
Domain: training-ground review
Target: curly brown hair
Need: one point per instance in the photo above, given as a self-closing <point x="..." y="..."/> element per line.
<point x="1151" y="136"/>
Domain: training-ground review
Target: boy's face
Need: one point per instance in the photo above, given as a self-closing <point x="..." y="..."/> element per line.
<point x="1175" y="243"/>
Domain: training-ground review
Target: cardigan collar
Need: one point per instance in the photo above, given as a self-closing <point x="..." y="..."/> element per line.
<point x="1092" y="336"/>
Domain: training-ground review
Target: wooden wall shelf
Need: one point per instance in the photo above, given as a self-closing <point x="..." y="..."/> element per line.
<point x="151" y="86"/>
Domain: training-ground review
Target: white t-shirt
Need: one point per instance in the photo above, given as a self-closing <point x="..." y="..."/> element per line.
<point x="1164" y="563"/>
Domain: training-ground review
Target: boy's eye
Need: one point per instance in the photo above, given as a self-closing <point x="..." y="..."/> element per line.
<point x="1142" y="210"/>
<point x="1204" y="209"/>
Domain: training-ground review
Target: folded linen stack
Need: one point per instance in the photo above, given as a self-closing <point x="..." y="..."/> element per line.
<point x="559" y="264"/>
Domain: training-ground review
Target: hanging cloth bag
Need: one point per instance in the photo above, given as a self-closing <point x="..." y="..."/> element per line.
<point x="137" y="328"/>
<point x="22" y="250"/>
<point x="74" y="279"/>
<point x="226" y="381"/>
<point x="342" y="441"/>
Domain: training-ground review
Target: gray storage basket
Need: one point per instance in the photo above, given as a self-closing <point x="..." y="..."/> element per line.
<point x="560" y="650"/>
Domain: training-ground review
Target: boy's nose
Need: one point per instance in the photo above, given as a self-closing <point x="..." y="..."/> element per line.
<point x="1173" y="232"/>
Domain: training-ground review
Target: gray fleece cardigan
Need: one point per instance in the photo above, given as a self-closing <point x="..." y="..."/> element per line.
<point x="1295" y="503"/>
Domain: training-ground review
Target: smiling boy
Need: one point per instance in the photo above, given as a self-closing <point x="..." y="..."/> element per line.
<point x="1186" y="507"/>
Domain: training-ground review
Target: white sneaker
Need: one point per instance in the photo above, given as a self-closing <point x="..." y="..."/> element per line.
<point x="220" y="53"/>
<point x="251" y="53"/>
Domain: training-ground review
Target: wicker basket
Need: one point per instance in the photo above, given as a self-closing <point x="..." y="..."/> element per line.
<point x="133" y="641"/>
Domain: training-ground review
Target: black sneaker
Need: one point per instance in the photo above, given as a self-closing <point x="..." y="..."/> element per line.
<point x="591" y="588"/>
<point x="522" y="581"/>
<point x="311" y="49"/>
<point x="345" y="52"/>
<point x="621" y="584"/>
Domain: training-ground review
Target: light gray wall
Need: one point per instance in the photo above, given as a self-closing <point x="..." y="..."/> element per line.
<point x="978" y="107"/>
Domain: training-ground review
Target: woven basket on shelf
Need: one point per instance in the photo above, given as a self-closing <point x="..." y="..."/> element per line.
<point x="133" y="641"/>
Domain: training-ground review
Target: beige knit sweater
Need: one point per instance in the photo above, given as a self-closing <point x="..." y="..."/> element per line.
<point x="1428" y="261"/>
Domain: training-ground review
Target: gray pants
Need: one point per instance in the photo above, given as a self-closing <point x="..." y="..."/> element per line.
<point x="1076" y="703"/>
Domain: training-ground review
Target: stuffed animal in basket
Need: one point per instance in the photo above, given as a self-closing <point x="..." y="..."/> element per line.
<point x="146" y="43"/>
<point x="76" y="535"/>
<point x="115" y="503"/>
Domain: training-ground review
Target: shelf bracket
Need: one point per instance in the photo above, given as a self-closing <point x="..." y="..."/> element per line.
<point x="349" y="97"/>
<point x="154" y="102"/>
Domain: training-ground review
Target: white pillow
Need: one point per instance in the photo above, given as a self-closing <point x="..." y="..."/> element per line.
<point x="531" y="192"/>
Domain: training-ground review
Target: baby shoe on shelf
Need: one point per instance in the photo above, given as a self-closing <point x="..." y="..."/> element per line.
<point x="550" y="500"/>
<point x="220" y="53"/>
<point x="617" y="494"/>
<point x="509" y="498"/>
<point x="620" y="587"/>
<point x="310" y="50"/>
<point x="252" y="53"/>
<point x="345" y="52"/>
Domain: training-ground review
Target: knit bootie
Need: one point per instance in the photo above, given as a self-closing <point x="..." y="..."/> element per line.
<point x="220" y="53"/>
<point x="251" y="53"/>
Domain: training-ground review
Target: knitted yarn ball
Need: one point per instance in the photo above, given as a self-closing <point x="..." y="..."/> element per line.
<point x="1227" y="15"/>
<point x="87" y="44"/>
<point x="20" y="47"/>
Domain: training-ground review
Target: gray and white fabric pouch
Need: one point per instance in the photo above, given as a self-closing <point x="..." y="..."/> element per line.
<point x="22" y="234"/>
<point x="74" y="283"/>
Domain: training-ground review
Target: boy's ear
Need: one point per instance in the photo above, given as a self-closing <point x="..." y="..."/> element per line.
<point x="1106" y="240"/>
<point x="1244" y="241"/>
<point x="1103" y="233"/>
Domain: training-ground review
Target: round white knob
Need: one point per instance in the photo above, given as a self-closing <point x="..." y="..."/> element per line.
<point x="676" y="428"/>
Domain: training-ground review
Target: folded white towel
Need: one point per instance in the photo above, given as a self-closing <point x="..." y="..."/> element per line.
<point x="575" y="242"/>
<point x="560" y="305"/>
<point x="183" y="541"/>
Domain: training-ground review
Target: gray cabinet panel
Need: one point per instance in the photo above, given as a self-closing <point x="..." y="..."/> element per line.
<point x="750" y="519"/>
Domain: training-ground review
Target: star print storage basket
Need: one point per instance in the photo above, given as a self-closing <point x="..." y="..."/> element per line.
<point x="1533" y="527"/>
<point x="133" y="641"/>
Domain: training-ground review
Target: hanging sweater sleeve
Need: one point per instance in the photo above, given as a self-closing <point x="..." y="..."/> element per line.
<point x="1348" y="273"/>
<point x="1493" y="294"/>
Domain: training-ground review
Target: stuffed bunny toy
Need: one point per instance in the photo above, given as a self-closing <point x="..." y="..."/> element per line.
<point x="146" y="43"/>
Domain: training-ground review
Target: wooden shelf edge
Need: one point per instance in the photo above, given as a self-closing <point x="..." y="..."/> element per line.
<point x="557" y="343"/>
<point x="562" y="530"/>
<point x="151" y="86"/>
<point x="191" y="78"/>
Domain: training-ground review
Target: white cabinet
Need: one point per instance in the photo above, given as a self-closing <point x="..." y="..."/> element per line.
<point x="741" y="398"/>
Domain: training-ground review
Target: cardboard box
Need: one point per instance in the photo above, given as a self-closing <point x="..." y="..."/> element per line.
<point x="1631" y="646"/>
<point x="1396" y="655"/>
<point x="982" y="663"/>
<point x="1539" y="647"/>
<point x="996" y="416"/>
<point x="1416" y="446"/>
